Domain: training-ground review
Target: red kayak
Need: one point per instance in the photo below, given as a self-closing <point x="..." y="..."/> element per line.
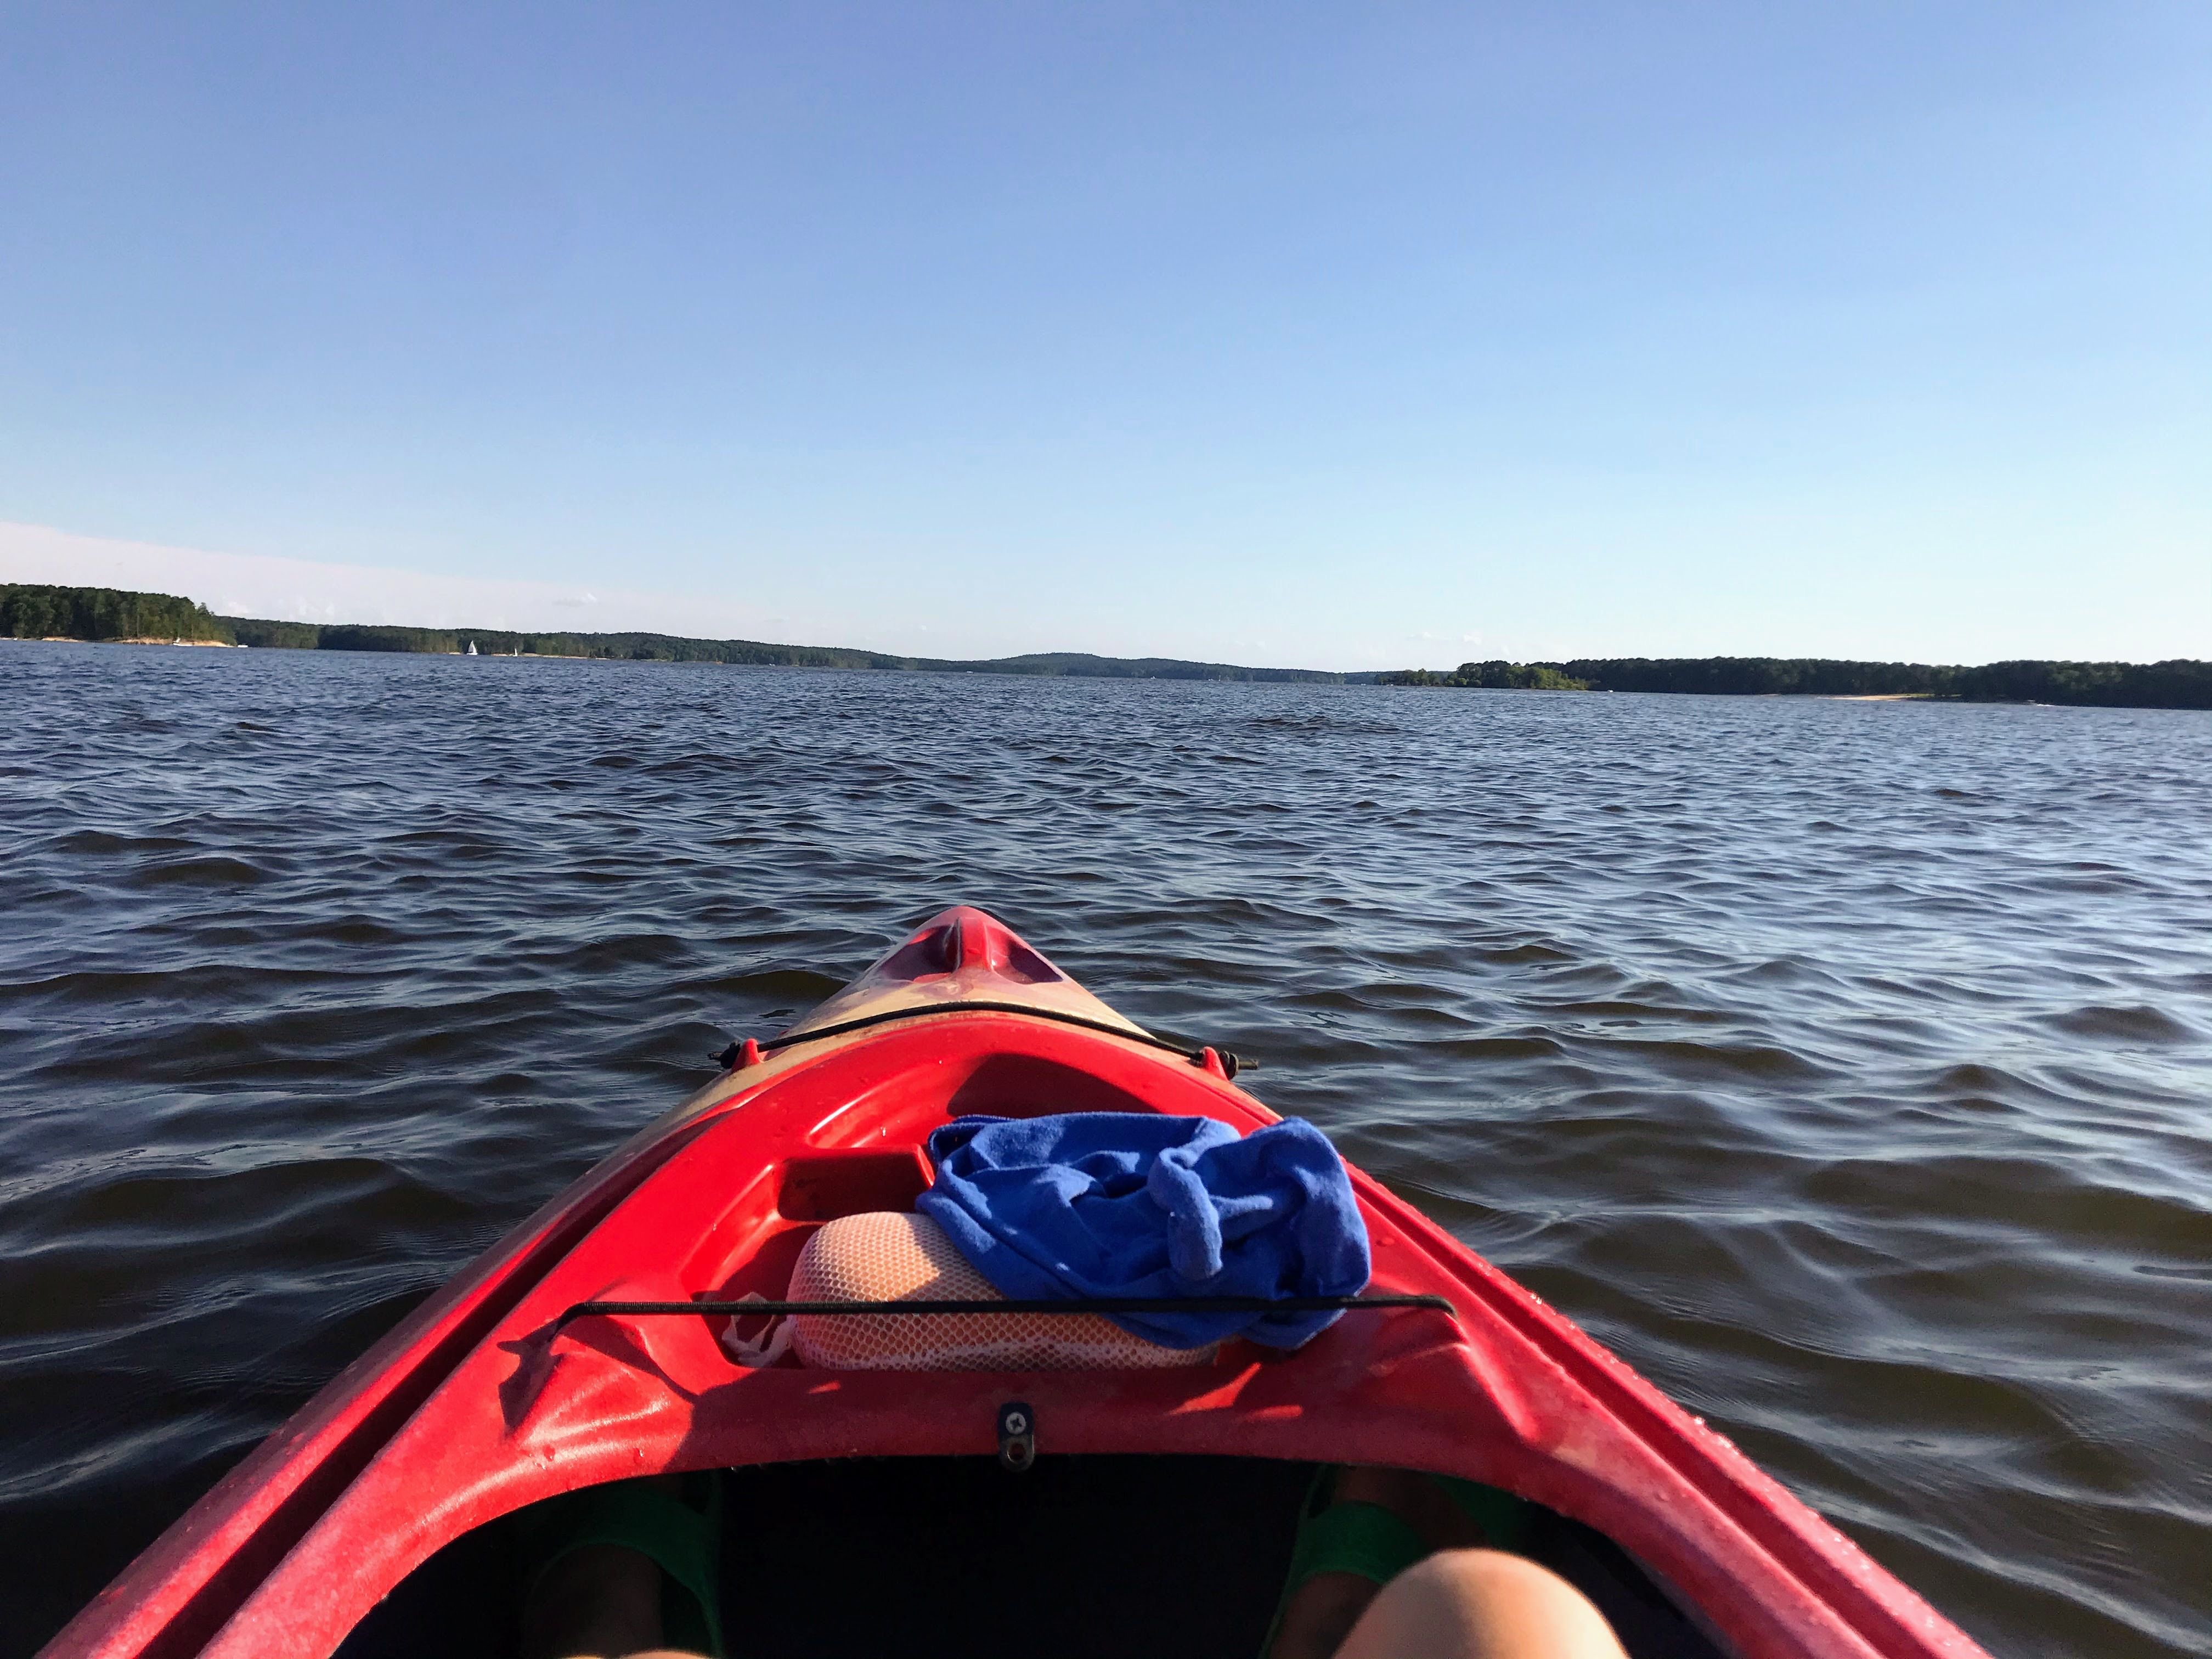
<point x="1156" y="1505"/>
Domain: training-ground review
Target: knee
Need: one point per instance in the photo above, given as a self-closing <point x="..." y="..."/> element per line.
<point x="1481" y="1604"/>
<point x="1484" y="1575"/>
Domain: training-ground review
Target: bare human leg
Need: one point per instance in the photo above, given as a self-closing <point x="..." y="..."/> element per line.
<point x="1479" y="1604"/>
<point x="602" y="1602"/>
<point x="1321" y="1612"/>
<point x="1464" y="1601"/>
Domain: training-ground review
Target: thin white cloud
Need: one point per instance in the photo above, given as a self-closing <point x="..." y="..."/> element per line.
<point x="297" y="590"/>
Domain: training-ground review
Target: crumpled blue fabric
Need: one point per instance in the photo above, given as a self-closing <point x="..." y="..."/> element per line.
<point x="1109" y="1204"/>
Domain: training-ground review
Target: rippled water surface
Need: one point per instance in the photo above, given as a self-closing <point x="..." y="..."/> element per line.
<point x="1845" y="1065"/>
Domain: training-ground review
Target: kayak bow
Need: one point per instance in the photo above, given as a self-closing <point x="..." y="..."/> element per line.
<point x="549" y="1364"/>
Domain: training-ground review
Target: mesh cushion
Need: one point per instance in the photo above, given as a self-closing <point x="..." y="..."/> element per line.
<point x="888" y="1256"/>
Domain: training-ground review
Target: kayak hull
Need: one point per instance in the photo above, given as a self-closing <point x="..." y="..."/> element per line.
<point x="484" y="1401"/>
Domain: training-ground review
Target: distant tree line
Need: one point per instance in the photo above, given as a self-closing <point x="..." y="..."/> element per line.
<point x="494" y="642"/>
<point x="1761" y="676"/>
<point x="1493" y="676"/>
<point x="30" y="611"/>
<point x="279" y="635"/>
<point x="2179" y="684"/>
<point x="666" y="647"/>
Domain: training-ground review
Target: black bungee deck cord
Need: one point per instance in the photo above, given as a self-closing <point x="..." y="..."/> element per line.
<point x="1090" y="1304"/>
<point x="1231" y="1064"/>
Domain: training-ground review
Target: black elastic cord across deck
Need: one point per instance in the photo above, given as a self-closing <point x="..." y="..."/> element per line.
<point x="1230" y="1063"/>
<point x="1093" y="1304"/>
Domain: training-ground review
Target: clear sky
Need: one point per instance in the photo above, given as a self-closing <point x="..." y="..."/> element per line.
<point x="1345" y="336"/>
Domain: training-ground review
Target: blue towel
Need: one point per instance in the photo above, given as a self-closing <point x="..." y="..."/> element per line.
<point x="1132" y="1204"/>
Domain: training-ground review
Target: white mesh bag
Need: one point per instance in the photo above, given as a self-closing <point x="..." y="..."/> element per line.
<point x="889" y="1257"/>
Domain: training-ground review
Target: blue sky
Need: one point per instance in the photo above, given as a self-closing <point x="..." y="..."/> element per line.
<point x="1348" y="336"/>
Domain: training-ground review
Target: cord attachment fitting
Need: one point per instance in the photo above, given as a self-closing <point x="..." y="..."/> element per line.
<point x="1017" y="1435"/>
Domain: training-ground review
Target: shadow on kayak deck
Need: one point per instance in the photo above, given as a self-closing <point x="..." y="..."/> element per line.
<point x="943" y="1558"/>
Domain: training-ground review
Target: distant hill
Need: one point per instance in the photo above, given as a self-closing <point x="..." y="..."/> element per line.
<point x="495" y="641"/>
<point x="31" y="612"/>
<point x="668" y="647"/>
<point x="1082" y="665"/>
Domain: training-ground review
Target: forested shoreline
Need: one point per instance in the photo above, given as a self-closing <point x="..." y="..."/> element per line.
<point x="29" y="610"/>
<point x="33" y="611"/>
<point x="37" y="611"/>
<point x="263" y="634"/>
<point x="2182" y="683"/>
<point x="669" y="648"/>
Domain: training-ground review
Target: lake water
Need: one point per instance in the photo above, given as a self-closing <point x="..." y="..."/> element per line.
<point x="1846" y="1067"/>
